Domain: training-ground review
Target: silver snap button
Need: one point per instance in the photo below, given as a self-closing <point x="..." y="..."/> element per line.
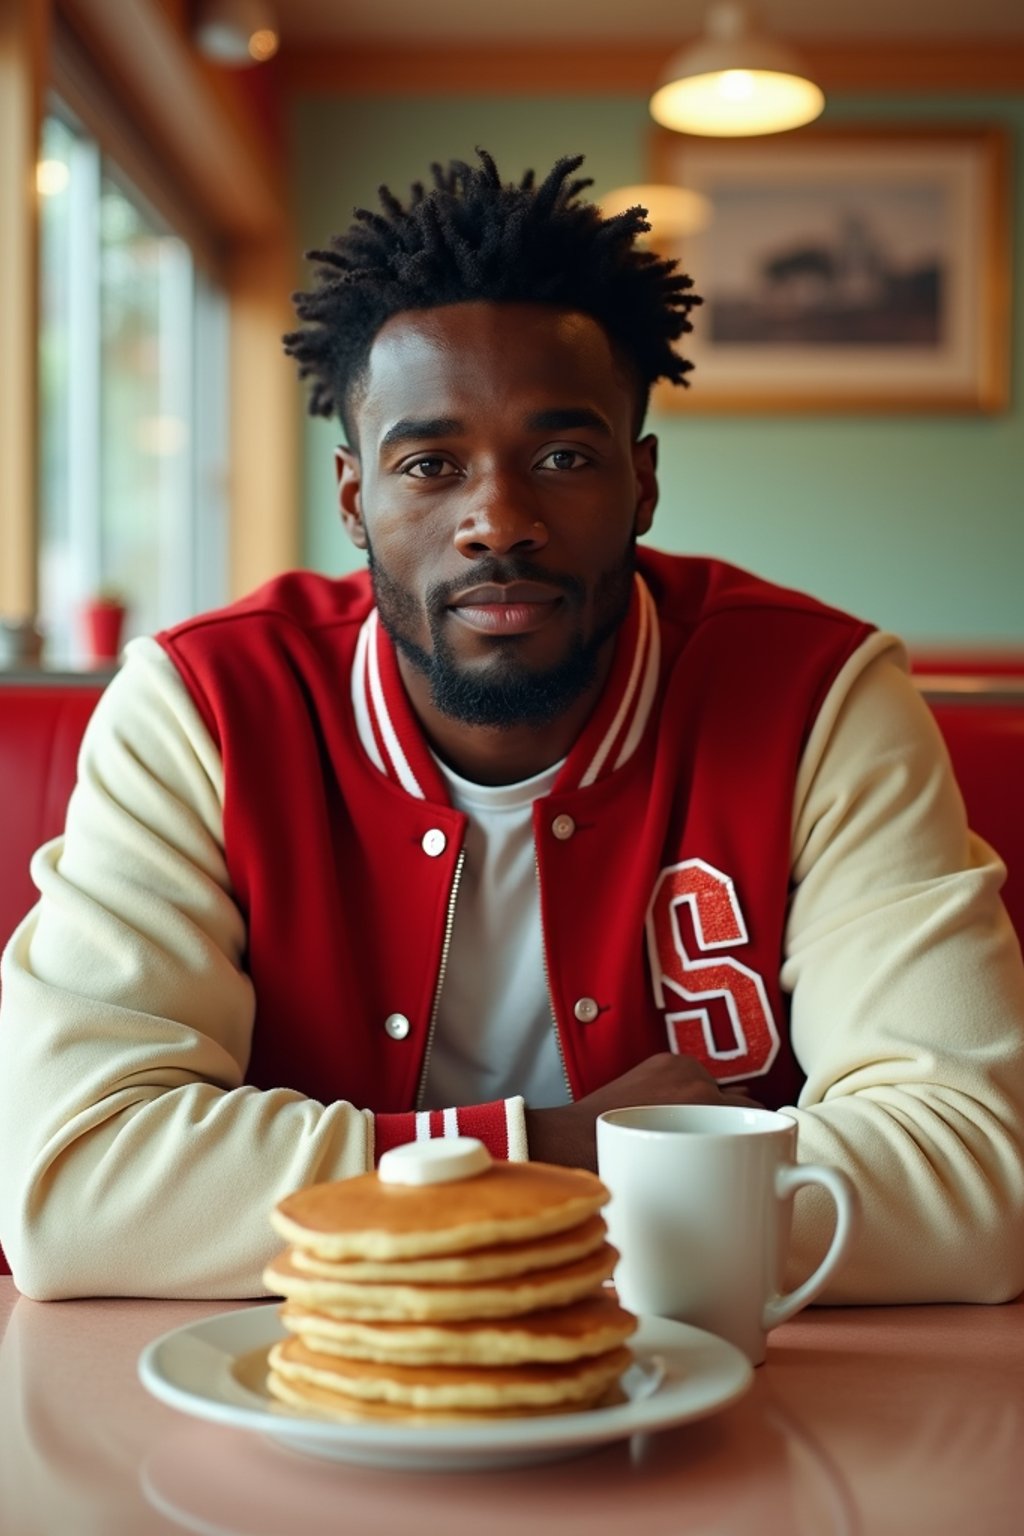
<point x="586" y="1010"/>
<point x="397" y="1026"/>
<point x="434" y="842"/>
<point x="563" y="827"/>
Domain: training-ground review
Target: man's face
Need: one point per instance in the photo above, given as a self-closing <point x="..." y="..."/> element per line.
<point x="499" y="493"/>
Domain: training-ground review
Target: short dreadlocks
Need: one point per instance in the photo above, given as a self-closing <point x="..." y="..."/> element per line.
<point x="471" y="237"/>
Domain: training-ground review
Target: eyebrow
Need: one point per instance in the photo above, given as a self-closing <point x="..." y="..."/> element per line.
<point x="565" y="418"/>
<point x="411" y="429"/>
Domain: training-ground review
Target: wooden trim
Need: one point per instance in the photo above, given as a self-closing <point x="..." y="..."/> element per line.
<point x="512" y="69"/>
<point x="999" y="274"/>
<point x="82" y="89"/>
<point x="971" y="690"/>
<point x="264" y="446"/>
<point x="24" y="28"/>
<point x="194" y="128"/>
<point x="908" y="67"/>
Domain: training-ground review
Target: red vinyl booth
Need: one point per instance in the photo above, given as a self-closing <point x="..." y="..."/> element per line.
<point x="41" y="725"/>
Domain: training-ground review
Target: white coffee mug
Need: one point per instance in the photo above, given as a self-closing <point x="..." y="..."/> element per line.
<point x="701" y="1214"/>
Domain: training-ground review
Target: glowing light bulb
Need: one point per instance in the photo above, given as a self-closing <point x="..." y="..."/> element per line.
<point x="263" y="45"/>
<point x="52" y="176"/>
<point x="736" y="84"/>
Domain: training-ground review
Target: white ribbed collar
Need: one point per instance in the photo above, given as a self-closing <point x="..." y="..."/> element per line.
<point x="394" y="743"/>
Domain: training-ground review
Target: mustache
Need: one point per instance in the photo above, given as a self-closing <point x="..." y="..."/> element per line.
<point x="495" y="572"/>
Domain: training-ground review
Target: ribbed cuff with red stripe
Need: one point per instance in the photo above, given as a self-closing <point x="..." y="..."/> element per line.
<point x="500" y="1125"/>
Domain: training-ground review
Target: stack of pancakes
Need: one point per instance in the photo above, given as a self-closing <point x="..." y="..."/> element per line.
<point x="476" y="1297"/>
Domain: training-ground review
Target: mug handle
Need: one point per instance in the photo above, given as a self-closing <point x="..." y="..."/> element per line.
<point x="788" y="1180"/>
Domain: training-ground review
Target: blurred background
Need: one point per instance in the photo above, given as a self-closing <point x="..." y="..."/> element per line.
<point x="164" y="164"/>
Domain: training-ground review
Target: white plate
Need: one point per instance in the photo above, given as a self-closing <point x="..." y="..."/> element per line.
<point x="214" y="1370"/>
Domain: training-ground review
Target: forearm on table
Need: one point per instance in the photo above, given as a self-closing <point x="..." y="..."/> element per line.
<point x="915" y="1087"/>
<point x="135" y="1162"/>
<point x="941" y="1188"/>
<point x="907" y="1011"/>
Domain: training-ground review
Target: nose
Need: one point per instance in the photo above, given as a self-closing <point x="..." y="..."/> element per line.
<point x="503" y="521"/>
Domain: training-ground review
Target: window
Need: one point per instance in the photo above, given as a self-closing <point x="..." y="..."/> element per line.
<point x="133" y="410"/>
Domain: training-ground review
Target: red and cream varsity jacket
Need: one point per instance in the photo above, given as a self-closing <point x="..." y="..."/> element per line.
<point x="663" y="851"/>
<point x="755" y="852"/>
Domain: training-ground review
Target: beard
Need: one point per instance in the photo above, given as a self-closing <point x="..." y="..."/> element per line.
<point x="507" y="692"/>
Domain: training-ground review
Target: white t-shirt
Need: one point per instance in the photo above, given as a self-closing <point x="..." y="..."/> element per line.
<point x="495" y="1035"/>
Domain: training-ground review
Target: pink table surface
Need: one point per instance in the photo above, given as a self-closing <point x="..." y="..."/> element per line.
<point x="862" y="1422"/>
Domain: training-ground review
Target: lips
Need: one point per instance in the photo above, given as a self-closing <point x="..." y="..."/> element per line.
<point x="515" y="609"/>
<point x="514" y="592"/>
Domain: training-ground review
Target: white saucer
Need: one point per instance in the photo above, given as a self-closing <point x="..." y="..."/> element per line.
<point x="213" y="1370"/>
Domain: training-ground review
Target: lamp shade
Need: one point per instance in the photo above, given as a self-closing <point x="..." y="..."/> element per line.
<point x="734" y="83"/>
<point x="671" y="211"/>
<point x="236" y="32"/>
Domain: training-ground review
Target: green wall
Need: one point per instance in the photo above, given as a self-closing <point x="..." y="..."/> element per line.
<point x="915" y="522"/>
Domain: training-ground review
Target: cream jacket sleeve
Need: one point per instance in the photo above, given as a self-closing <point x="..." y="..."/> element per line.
<point x="132" y="1154"/>
<point x="907" y="1004"/>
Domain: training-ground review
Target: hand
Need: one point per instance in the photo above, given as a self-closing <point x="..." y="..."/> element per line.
<point x="567" y="1134"/>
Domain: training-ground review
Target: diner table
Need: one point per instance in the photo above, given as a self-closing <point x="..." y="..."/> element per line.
<point x="862" y="1422"/>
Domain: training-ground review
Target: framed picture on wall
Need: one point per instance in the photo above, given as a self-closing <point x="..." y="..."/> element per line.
<point x="845" y="269"/>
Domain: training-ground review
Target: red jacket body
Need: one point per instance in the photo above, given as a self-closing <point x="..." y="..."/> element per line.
<point x="663" y="851"/>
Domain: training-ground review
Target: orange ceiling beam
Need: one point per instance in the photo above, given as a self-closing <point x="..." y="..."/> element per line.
<point x="987" y="67"/>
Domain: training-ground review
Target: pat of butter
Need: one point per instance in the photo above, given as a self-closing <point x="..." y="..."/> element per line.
<point x="440" y="1161"/>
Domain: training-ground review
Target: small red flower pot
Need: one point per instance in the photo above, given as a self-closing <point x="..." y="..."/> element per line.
<point x="104" y="625"/>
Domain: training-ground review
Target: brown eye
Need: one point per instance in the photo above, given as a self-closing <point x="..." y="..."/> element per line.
<point x="429" y="469"/>
<point x="563" y="459"/>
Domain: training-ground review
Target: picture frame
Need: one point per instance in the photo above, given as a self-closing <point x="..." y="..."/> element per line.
<point x="845" y="269"/>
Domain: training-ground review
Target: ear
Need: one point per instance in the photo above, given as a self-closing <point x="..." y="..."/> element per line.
<point x="645" y="468"/>
<point x="350" y="498"/>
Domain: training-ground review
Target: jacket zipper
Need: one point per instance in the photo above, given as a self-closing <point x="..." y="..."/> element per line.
<point x="570" y="1096"/>
<point x="446" y="945"/>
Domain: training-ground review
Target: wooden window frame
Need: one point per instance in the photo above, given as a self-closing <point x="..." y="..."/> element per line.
<point x="125" y="71"/>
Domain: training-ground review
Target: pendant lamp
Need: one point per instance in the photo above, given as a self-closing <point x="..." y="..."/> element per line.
<point x="236" y="33"/>
<point x="734" y="82"/>
<point x="672" y="212"/>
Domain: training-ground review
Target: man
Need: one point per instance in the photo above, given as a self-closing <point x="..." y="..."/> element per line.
<point x="524" y="825"/>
